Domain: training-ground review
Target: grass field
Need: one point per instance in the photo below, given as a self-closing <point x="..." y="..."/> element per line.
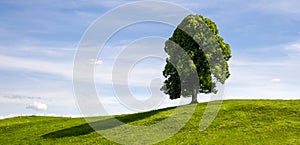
<point x="238" y="122"/>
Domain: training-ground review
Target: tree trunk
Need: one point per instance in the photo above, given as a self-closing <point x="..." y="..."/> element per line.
<point x="194" y="98"/>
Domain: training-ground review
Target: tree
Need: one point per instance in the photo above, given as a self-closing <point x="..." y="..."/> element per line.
<point x="208" y="56"/>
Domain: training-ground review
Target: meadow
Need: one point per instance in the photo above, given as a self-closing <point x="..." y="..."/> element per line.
<point x="238" y="122"/>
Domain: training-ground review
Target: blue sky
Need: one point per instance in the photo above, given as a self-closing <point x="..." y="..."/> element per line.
<point x="38" y="41"/>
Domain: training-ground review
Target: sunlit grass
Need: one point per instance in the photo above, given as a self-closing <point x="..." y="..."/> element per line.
<point x="238" y="122"/>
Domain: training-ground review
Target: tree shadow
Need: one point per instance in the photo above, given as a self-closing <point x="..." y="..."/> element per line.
<point x="82" y="129"/>
<point x="86" y="128"/>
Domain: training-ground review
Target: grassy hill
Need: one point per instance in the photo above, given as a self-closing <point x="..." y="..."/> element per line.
<point x="238" y="122"/>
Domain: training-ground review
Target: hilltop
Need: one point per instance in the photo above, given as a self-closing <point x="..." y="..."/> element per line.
<point x="238" y="122"/>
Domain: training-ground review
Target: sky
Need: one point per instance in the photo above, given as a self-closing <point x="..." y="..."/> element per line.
<point x="39" y="40"/>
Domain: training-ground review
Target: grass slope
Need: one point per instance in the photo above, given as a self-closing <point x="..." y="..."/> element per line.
<point x="238" y="122"/>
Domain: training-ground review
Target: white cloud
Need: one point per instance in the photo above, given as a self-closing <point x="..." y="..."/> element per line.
<point x="99" y="62"/>
<point x="293" y="46"/>
<point x="7" y="116"/>
<point x="275" y="80"/>
<point x="94" y="61"/>
<point x="278" y="6"/>
<point x="35" y="65"/>
<point x="21" y="97"/>
<point x="37" y="106"/>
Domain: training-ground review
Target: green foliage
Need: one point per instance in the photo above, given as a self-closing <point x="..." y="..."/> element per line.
<point x="198" y="37"/>
<point x="238" y="122"/>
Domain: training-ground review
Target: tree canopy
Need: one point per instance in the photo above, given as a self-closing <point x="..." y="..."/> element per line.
<point x="208" y="56"/>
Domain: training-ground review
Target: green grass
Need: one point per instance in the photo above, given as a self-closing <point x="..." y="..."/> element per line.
<point x="238" y="122"/>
